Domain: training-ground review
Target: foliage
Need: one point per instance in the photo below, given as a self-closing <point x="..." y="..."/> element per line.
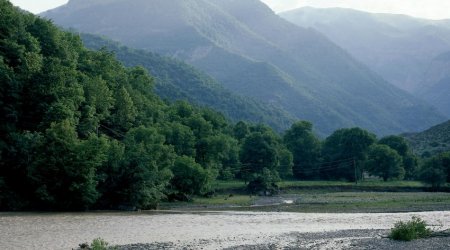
<point x="81" y="131"/>
<point x="385" y="163"/>
<point x="436" y="171"/>
<point x="189" y="177"/>
<point x="409" y="160"/>
<point x="431" y="142"/>
<point x="397" y="143"/>
<point x="414" y="229"/>
<point x="285" y="167"/>
<point x="411" y="166"/>
<point x="343" y="149"/>
<point x="305" y="147"/>
<point x="264" y="183"/>
<point x="260" y="157"/>
<point x="97" y="244"/>
<point x="259" y="152"/>
<point x="146" y="170"/>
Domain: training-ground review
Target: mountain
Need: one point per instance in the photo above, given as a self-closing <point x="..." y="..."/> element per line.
<point x="398" y="47"/>
<point x="254" y="52"/>
<point x="175" y="80"/>
<point x="435" y="86"/>
<point x="432" y="141"/>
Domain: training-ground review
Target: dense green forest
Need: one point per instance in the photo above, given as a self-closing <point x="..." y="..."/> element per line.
<point x="81" y="131"/>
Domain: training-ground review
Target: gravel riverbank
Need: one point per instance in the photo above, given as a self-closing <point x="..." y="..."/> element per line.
<point x="212" y="230"/>
<point x="344" y="239"/>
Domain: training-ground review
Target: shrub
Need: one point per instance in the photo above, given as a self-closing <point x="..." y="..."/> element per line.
<point x="265" y="183"/>
<point x="414" y="229"/>
<point x="97" y="244"/>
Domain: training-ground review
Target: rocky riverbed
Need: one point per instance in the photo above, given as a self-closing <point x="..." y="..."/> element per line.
<point x="344" y="239"/>
<point x="212" y="230"/>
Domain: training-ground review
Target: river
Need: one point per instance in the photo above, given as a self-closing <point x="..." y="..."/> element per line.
<point x="214" y="229"/>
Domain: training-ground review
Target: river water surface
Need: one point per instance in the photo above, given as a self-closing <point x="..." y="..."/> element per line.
<point x="217" y="229"/>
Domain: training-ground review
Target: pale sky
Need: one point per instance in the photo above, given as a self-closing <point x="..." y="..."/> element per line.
<point x="431" y="9"/>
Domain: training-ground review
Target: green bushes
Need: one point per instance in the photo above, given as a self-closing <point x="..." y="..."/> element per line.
<point x="414" y="229"/>
<point x="97" y="244"/>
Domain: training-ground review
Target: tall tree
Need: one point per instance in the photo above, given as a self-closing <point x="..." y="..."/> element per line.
<point x="409" y="160"/>
<point x="64" y="172"/>
<point x="189" y="178"/>
<point x="385" y="163"/>
<point x="345" y="150"/>
<point x="241" y="130"/>
<point x="285" y="167"/>
<point x="305" y="147"/>
<point x="435" y="171"/>
<point x="260" y="159"/>
<point x="147" y="168"/>
<point x="124" y="112"/>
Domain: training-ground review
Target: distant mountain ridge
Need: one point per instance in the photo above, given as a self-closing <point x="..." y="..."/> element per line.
<point x="398" y="47"/>
<point x="253" y="52"/>
<point x="435" y="86"/>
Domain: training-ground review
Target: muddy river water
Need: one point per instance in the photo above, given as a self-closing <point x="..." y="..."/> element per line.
<point x="219" y="229"/>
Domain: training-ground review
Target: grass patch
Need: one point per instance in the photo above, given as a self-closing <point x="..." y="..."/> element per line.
<point x="322" y="196"/>
<point x="230" y="186"/>
<point x="414" y="229"/>
<point x="217" y="202"/>
<point x="322" y="201"/>
<point x="370" y="183"/>
<point x="234" y="200"/>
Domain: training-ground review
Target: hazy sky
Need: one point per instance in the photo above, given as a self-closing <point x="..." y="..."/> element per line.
<point x="37" y="6"/>
<point x="433" y="9"/>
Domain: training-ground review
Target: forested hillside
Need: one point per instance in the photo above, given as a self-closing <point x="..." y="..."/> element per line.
<point x="253" y="52"/>
<point x="432" y="141"/>
<point x="79" y="130"/>
<point x="175" y="80"/>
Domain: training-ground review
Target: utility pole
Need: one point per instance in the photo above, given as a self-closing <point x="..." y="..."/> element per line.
<point x="356" y="174"/>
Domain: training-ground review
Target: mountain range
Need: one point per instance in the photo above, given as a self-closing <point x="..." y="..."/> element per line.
<point x="435" y="85"/>
<point x="178" y="81"/>
<point x="251" y="51"/>
<point x="411" y="53"/>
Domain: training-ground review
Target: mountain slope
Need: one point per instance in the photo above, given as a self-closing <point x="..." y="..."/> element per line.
<point x="176" y="80"/>
<point x="397" y="47"/>
<point x="435" y="87"/>
<point x="252" y="51"/>
<point x="432" y="141"/>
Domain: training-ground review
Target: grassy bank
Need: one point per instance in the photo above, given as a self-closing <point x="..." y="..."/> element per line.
<point x="320" y="196"/>
<point x="239" y="186"/>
